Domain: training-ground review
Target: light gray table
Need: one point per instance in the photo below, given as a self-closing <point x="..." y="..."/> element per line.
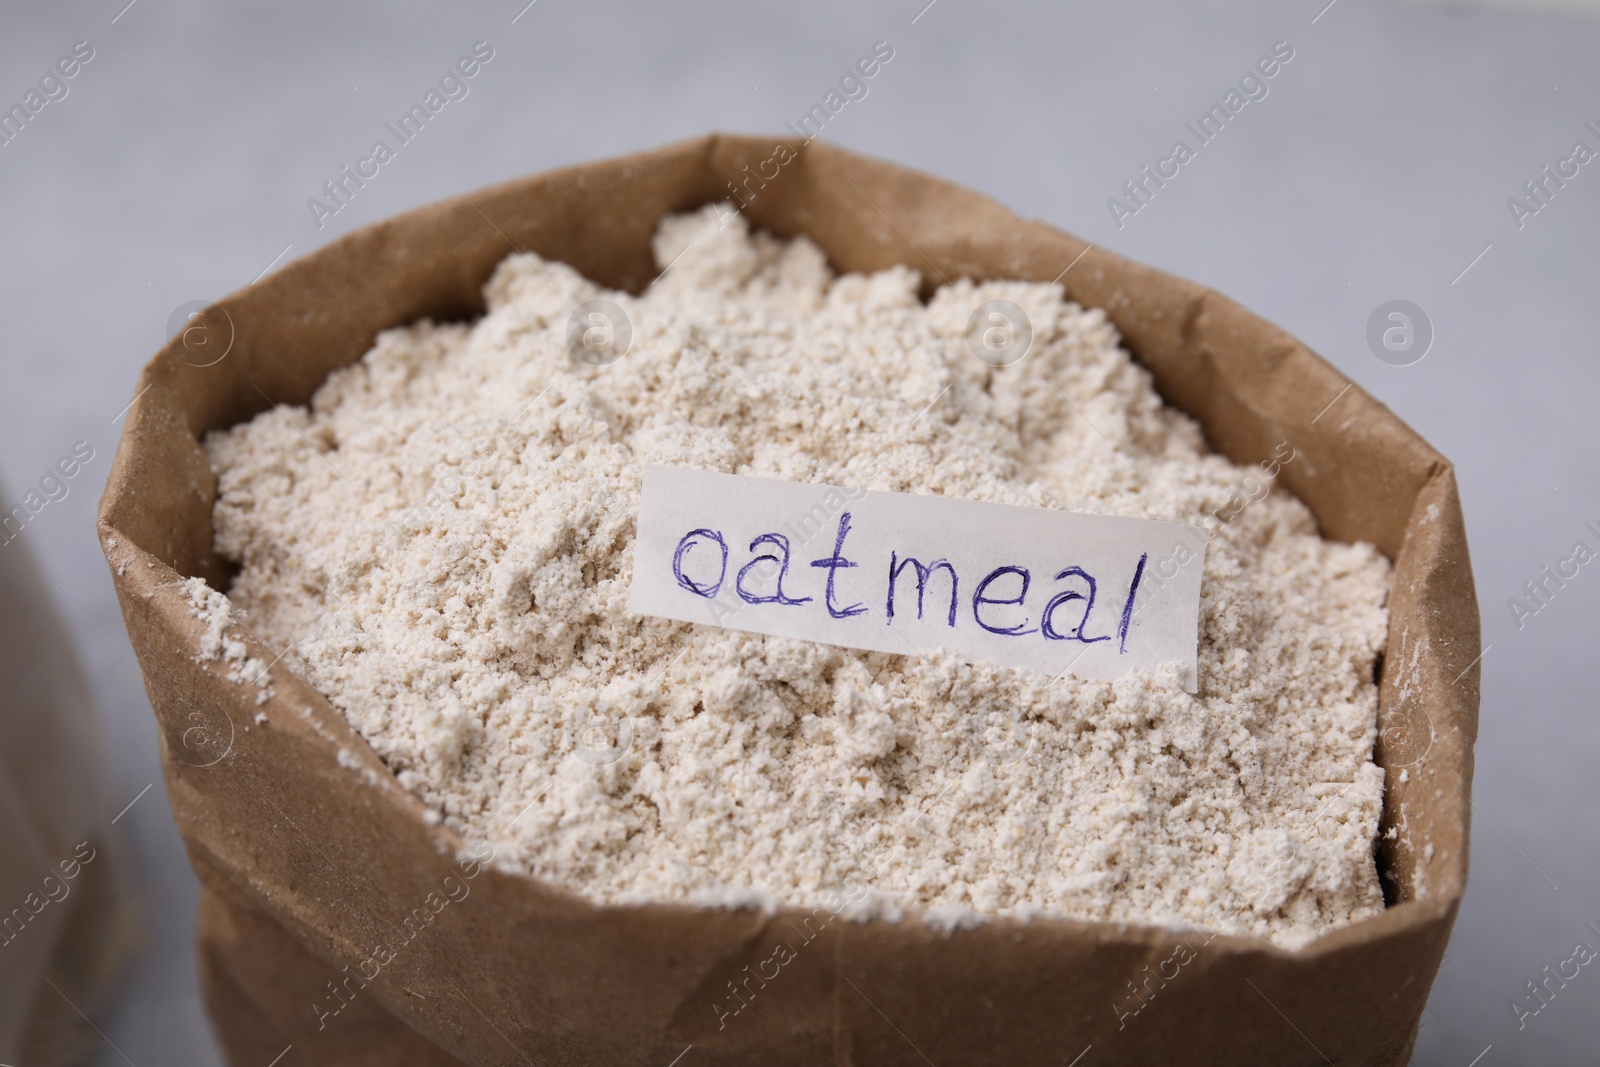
<point x="1378" y="167"/>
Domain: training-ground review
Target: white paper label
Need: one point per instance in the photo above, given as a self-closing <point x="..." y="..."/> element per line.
<point x="1044" y="590"/>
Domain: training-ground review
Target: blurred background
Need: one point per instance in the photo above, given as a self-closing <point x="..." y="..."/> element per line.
<point x="1388" y="161"/>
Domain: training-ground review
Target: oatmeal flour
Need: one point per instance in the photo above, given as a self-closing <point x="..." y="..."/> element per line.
<point x="445" y="537"/>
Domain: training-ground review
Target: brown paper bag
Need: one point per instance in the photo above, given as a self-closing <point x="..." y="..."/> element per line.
<point x="321" y="924"/>
<point x="67" y="920"/>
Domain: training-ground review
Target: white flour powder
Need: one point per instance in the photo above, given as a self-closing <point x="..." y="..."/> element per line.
<point x="447" y="537"/>
<point x="217" y="612"/>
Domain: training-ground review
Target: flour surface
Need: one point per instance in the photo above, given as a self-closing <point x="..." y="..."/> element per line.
<point x="445" y="537"/>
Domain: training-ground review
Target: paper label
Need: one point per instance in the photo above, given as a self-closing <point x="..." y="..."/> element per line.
<point x="1035" y="588"/>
